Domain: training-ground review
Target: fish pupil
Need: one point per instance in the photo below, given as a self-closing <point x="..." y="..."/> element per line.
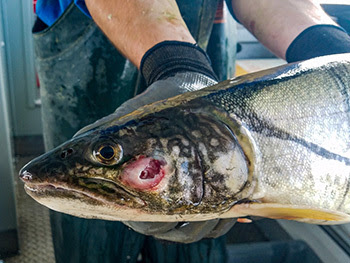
<point x="107" y="152"/>
<point x="151" y="170"/>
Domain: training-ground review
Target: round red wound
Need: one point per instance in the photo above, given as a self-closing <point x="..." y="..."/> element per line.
<point x="144" y="173"/>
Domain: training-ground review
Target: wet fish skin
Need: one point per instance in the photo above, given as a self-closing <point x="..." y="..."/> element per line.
<point x="301" y="130"/>
<point x="274" y="143"/>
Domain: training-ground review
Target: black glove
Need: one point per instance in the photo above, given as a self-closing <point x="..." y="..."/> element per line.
<point x="318" y="40"/>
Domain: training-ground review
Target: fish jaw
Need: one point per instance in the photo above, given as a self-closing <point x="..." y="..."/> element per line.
<point x="77" y="205"/>
<point x="76" y="201"/>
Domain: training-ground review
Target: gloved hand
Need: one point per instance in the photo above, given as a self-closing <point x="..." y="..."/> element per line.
<point x="173" y="68"/>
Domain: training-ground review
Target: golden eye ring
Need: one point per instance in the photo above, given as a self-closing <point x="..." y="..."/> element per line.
<point x="108" y="153"/>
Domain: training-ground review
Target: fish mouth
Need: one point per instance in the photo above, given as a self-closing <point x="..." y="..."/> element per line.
<point x="85" y="189"/>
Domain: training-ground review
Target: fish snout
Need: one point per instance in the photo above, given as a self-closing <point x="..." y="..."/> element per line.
<point x="42" y="169"/>
<point x="25" y="176"/>
<point x="28" y="175"/>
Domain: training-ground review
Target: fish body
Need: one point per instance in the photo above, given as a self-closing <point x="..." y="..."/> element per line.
<point x="274" y="143"/>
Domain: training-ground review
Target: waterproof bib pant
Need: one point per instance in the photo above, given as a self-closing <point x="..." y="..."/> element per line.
<point x="83" y="78"/>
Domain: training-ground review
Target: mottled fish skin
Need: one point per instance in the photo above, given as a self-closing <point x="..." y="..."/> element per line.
<point x="277" y="137"/>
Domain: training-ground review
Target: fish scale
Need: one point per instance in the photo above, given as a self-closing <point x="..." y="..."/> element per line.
<point x="312" y="134"/>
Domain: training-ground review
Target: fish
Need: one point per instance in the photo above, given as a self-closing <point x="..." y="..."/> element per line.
<point x="274" y="144"/>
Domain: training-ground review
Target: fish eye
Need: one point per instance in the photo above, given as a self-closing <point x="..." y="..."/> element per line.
<point x="108" y="153"/>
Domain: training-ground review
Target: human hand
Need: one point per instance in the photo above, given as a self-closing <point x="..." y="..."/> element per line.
<point x="162" y="89"/>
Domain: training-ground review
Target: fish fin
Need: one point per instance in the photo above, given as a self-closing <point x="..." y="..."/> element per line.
<point x="244" y="220"/>
<point x="290" y="212"/>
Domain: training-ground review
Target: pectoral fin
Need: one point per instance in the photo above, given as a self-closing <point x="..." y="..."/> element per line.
<point x="290" y="212"/>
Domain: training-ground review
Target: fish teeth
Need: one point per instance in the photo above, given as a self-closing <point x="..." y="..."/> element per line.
<point x="31" y="188"/>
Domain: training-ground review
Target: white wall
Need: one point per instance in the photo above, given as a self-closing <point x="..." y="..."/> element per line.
<point x="7" y="204"/>
<point x="17" y="19"/>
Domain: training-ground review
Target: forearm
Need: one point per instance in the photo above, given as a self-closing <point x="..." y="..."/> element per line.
<point x="276" y="23"/>
<point x="136" y="26"/>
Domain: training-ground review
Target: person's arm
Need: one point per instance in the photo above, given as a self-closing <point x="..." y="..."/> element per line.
<point x="276" y="23"/>
<point x="135" y="26"/>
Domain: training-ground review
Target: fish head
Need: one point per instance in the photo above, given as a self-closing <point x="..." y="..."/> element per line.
<point x="139" y="167"/>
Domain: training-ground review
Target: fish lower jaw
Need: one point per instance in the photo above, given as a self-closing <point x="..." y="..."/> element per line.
<point x="55" y="191"/>
<point x="42" y="188"/>
<point x="93" y="209"/>
<point x="47" y="191"/>
<point x="82" y="204"/>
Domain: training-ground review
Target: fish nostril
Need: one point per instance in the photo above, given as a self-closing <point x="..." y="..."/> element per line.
<point x="70" y="151"/>
<point x="26" y="176"/>
<point x="66" y="153"/>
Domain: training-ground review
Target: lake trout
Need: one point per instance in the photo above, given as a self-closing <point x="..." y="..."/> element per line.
<point x="274" y="144"/>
